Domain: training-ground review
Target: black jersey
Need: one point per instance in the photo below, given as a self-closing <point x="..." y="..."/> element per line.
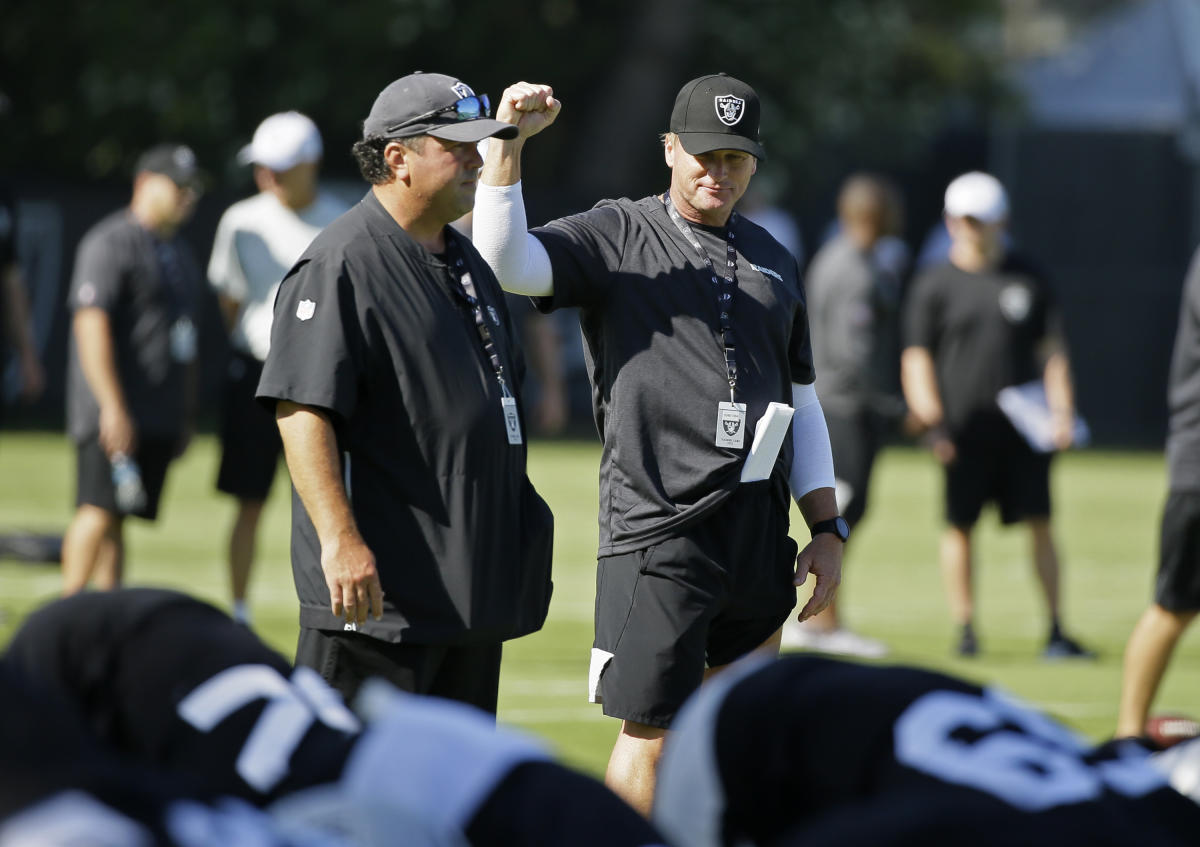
<point x="854" y="754"/>
<point x="173" y="682"/>
<point x="59" y="785"/>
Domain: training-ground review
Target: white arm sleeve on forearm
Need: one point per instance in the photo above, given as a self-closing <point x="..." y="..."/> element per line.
<point x="499" y="232"/>
<point x="812" y="460"/>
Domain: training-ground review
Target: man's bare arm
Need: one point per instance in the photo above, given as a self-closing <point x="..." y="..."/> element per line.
<point x="310" y="447"/>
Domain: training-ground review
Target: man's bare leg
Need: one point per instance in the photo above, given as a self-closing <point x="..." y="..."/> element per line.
<point x="1147" y="654"/>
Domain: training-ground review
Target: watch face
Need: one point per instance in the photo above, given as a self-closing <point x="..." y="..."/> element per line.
<point x="843" y="528"/>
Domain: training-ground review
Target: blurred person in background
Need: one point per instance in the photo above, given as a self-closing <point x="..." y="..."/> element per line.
<point x="258" y="239"/>
<point x="134" y="300"/>
<point x="1177" y="588"/>
<point x="760" y="204"/>
<point x="16" y="328"/>
<point x="853" y="307"/>
<point x="977" y="324"/>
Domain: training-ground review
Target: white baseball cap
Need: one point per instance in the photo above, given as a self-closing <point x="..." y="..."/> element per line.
<point x="283" y="141"/>
<point x="977" y="195"/>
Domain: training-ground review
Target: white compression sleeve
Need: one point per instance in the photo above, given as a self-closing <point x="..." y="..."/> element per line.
<point x="499" y="232"/>
<point x="812" y="460"/>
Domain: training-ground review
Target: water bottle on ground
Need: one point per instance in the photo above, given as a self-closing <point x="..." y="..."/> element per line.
<point x="127" y="481"/>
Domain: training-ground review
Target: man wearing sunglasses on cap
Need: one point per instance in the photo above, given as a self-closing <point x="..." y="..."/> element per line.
<point x="418" y="542"/>
<point x="694" y="322"/>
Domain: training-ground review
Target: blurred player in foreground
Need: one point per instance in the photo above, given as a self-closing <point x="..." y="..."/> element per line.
<point x="816" y="751"/>
<point x="175" y="684"/>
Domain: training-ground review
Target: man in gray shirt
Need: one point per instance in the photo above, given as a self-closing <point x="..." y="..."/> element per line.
<point x="853" y="305"/>
<point x="1177" y="589"/>
<point x="134" y="298"/>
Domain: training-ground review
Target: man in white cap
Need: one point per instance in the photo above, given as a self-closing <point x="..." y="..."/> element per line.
<point x="257" y="240"/>
<point x="980" y="323"/>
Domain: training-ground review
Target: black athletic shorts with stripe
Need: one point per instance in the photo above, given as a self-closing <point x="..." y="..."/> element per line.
<point x="703" y="598"/>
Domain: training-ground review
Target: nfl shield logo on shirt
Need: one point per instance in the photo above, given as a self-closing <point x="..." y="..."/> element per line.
<point x="729" y="109"/>
<point x="305" y="309"/>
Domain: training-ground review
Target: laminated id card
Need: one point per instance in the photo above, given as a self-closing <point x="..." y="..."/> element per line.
<point x="731" y="424"/>
<point x="512" y="423"/>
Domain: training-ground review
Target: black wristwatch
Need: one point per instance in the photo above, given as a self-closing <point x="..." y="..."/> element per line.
<point x="837" y="526"/>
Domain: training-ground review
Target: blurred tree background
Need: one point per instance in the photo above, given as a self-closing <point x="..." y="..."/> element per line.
<point x="87" y="84"/>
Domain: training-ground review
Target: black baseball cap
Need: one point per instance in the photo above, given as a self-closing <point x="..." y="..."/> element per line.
<point x="424" y="104"/>
<point x="176" y="161"/>
<point x="717" y="112"/>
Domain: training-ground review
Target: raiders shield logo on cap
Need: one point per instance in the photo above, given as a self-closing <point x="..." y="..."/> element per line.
<point x="729" y="109"/>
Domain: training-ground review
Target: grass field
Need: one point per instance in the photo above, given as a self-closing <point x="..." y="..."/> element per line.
<point x="1107" y="505"/>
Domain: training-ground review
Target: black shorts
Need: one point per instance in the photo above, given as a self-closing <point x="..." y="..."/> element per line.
<point x="94" y="484"/>
<point x="250" y="443"/>
<point x="1177" y="587"/>
<point x="854" y="440"/>
<point x="468" y="673"/>
<point x="706" y="597"/>
<point x="994" y="463"/>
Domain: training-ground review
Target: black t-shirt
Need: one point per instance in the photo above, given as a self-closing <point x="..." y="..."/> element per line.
<point x="367" y="328"/>
<point x="170" y="681"/>
<point x="150" y="289"/>
<point x="806" y="748"/>
<point x="985" y="331"/>
<point x="652" y="341"/>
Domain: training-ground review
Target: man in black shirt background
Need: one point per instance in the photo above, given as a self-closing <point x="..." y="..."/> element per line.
<point x="394" y="378"/>
<point x="981" y="323"/>
<point x="135" y="298"/>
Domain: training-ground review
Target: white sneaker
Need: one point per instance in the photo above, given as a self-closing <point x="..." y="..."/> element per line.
<point x="839" y="641"/>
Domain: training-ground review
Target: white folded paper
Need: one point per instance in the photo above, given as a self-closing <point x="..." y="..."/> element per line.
<point x="1026" y="407"/>
<point x="768" y="438"/>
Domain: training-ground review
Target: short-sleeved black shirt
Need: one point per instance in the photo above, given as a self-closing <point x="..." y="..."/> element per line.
<point x="985" y="331"/>
<point x="367" y="328"/>
<point x="649" y="315"/>
<point x="147" y="286"/>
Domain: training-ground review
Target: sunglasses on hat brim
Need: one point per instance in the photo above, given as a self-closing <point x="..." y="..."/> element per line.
<point x="467" y="109"/>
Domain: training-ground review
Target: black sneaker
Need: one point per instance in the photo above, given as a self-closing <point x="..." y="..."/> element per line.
<point x="1061" y="647"/>
<point x="967" y="646"/>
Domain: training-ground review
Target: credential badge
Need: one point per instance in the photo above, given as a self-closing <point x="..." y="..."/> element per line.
<point x="305" y="309"/>
<point x="729" y="109"/>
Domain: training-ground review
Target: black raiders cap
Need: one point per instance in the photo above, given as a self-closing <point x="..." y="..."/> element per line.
<point x="717" y="112"/>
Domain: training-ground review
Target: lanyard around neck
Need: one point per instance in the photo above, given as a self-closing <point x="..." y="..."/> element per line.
<point x="725" y="286"/>
<point x="464" y="289"/>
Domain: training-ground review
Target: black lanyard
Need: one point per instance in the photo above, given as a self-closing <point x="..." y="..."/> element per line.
<point x="726" y="286"/>
<point x="464" y="290"/>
